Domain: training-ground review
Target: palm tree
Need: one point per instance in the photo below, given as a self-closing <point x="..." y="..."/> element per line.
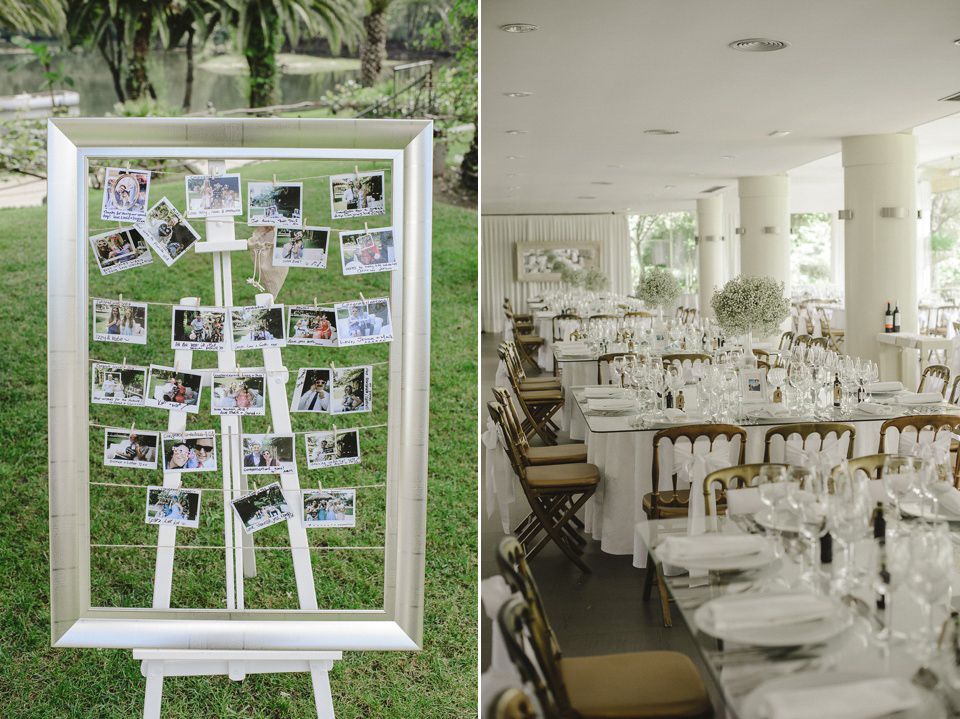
<point x="30" y="17"/>
<point x="190" y="20"/>
<point x="263" y="24"/>
<point x="374" y="48"/>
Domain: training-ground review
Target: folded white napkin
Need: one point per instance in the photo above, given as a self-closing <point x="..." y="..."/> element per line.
<point x="743" y="501"/>
<point x="775" y="410"/>
<point x="757" y="612"/>
<point x="910" y="398"/>
<point x="950" y="501"/>
<point x="864" y="699"/>
<point x="610" y="403"/>
<point x="711" y="546"/>
<point x="873" y="408"/>
<point x="885" y="387"/>
<point x="602" y="391"/>
<point x="569" y="346"/>
<point x="674" y="415"/>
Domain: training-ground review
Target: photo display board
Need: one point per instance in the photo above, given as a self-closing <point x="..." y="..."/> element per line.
<point x="212" y="484"/>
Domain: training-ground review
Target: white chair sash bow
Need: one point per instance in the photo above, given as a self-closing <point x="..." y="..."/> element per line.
<point x="924" y="446"/>
<point x="692" y="467"/>
<point x="822" y="458"/>
<point x="498" y="480"/>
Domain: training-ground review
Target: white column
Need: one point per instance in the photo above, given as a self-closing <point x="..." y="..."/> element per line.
<point x="925" y="269"/>
<point x="765" y="219"/>
<point x="837" y="241"/>
<point x="711" y="250"/>
<point x="880" y="171"/>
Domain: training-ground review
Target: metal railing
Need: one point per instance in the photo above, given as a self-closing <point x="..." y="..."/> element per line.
<point x="413" y="93"/>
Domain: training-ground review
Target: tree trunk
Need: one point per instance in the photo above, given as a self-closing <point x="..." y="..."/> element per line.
<point x="471" y="160"/>
<point x="188" y="82"/>
<point x="374" y="48"/>
<point x="261" y="50"/>
<point x="114" y="67"/>
<point x="137" y="80"/>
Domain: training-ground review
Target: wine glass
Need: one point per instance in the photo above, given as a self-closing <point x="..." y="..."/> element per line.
<point x="848" y="518"/>
<point x="807" y="500"/>
<point x="675" y="381"/>
<point x="935" y="479"/>
<point x="892" y="565"/>
<point x="899" y="477"/>
<point x="771" y="484"/>
<point x="776" y="376"/>
<point x="931" y="565"/>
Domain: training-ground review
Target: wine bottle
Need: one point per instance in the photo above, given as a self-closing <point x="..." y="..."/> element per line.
<point x="680" y="400"/>
<point x="837" y="391"/>
<point x="879" y="524"/>
<point x="826" y="549"/>
<point x="888" y="320"/>
<point x="880" y="534"/>
<point x="668" y="400"/>
<point x="896" y="317"/>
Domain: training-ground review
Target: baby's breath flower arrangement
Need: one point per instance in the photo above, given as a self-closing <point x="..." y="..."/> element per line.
<point x="658" y="287"/>
<point x="750" y="304"/>
<point x="569" y="276"/>
<point x="594" y="280"/>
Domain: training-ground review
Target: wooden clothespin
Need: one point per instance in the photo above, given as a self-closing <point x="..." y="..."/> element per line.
<point x="363" y="298"/>
<point x="198" y="303"/>
<point x="366" y="228"/>
<point x="121" y="298"/>
<point x="274" y="180"/>
<point x="132" y="427"/>
<point x="314" y="303"/>
<point x="124" y="363"/>
<point x="334" y="433"/>
<point x="356" y="171"/>
<point x="176" y="365"/>
<point x="333" y="366"/>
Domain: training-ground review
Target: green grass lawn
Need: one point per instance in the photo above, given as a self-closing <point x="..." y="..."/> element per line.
<point x="441" y="681"/>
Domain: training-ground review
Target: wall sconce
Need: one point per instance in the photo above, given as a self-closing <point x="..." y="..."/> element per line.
<point x="845" y="214"/>
<point x="740" y="231"/>
<point x="897" y="212"/>
<point x="772" y="230"/>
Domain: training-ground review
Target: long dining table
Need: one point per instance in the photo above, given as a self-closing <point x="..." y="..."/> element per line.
<point x="623" y="452"/>
<point x="778" y="645"/>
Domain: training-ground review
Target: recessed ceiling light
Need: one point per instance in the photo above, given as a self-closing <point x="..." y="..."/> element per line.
<point x="956" y="42"/>
<point x="518" y="94"/>
<point x="615" y="166"/>
<point x="661" y="132"/>
<point x="514" y="157"/>
<point x="601" y="182"/>
<point x="519" y="27"/>
<point x="516" y="132"/>
<point x="729" y="157"/>
<point x="586" y="197"/>
<point x="693" y="174"/>
<point x="778" y="133"/>
<point x="758" y="44"/>
<point x="513" y="188"/>
<point x="513" y="174"/>
<point x="669" y="187"/>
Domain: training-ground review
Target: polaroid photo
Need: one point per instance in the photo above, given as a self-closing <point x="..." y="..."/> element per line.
<point x="199" y="328"/>
<point x="313" y="391"/>
<point x="262" y="507"/>
<point x="306" y="247"/>
<point x="333" y="449"/>
<point x="352" y="389"/>
<point x="753" y="385"/>
<point x="194" y="451"/>
<point x="268" y="454"/>
<point x="309" y="325"/>
<point x="257" y="327"/>
<point x="120" y="250"/>
<point x="125" y="194"/>
<point x="239" y="393"/>
<point x="128" y="448"/>
<point x="361" y="323"/>
<point x="213" y="195"/>
<point x="115" y="321"/>
<point x="367" y="251"/>
<point x="278" y="204"/>
<point x="169" y="389"/>
<point x="119" y="384"/>
<point x="329" y="508"/>
<point x="177" y="507"/>
<point x="168" y="233"/>
<point x="357" y="195"/>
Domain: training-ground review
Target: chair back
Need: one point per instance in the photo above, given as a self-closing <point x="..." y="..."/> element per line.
<point x="686" y="359"/>
<point x="762" y="356"/>
<point x="935" y="378"/>
<point x="936" y="424"/>
<point x="669" y="500"/>
<point x="513" y="422"/>
<point x="513" y="703"/>
<point x="690" y="315"/>
<point x="527" y="642"/>
<point x="515" y="570"/>
<point x="803" y="340"/>
<point x="498" y="414"/>
<point x="819" y="430"/>
<point x="871" y="465"/>
<point x="564" y="325"/>
<point x="739" y="476"/>
<point x="786" y="339"/>
<point x="603" y="362"/>
<point x="955" y="391"/>
<point x="819" y="342"/>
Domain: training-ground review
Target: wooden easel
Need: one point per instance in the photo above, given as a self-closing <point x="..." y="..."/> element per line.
<point x="159" y="663"/>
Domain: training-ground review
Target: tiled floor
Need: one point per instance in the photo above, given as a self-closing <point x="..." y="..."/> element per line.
<point x="597" y="613"/>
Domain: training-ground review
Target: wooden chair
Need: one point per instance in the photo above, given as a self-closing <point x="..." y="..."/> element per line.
<point x="806" y="430"/>
<point x="870" y="464"/>
<point x="935" y="423"/>
<point x="819" y="342"/>
<point x="716" y="484"/>
<point x="762" y="356"/>
<point x="638" y="314"/>
<point x="522" y="324"/>
<point x="954" y="396"/>
<point x="518" y="378"/>
<point x="934" y="375"/>
<point x="604" y="360"/>
<point x="561" y="326"/>
<point x="602" y="317"/>
<point x="641" y="685"/>
<point x="513" y="703"/>
<point x="663" y="503"/>
<point x="786" y="339"/>
<point x="555" y="493"/>
<point x="834" y="337"/>
<point x="508" y="305"/>
<point x="681" y="311"/>
<point x="803" y="340"/>
<point x="690" y="315"/>
<point x="539" y="404"/>
<point x="550" y="454"/>
<point x="688" y="358"/>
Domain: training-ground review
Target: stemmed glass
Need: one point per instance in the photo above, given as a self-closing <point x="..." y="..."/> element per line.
<point x="771" y="484"/>
<point x="776" y="376"/>
<point x="848" y="517"/>
<point x="675" y="381"/>
<point x="931" y="565"/>
<point x="808" y="503"/>
<point x="893" y="562"/>
<point x="935" y="480"/>
<point x="900" y="476"/>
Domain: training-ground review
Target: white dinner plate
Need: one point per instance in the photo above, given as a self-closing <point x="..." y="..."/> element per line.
<point x="753" y="705"/>
<point x="913" y="509"/>
<point x="722" y="564"/>
<point x="784" y="635"/>
<point x="783" y="522"/>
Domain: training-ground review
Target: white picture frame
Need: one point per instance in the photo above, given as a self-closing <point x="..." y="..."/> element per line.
<point x="406" y="148"/>
<point x="753" y="386"/>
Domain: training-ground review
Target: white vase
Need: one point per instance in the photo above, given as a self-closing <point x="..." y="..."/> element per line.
<point x="749" y="359"/>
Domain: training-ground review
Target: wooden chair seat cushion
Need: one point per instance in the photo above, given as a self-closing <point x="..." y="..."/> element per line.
<point x="665" y="508"/>
<point x="560" y="476"/>
<point x="539" y="383"/>
<point x="530" y="339"/>
<point x="557" y="454"/>
<point x="542" y="395"/>
<point x="639" y="685"/>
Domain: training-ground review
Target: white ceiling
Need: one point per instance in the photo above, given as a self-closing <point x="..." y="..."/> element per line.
<point x="602" y="72"/>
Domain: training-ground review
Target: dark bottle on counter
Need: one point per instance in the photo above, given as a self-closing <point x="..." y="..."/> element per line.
<point x="888" y="320"/>
<point x="826" y="549"/>
<point x="896" y="317"/>
<point x="668" y="400"/>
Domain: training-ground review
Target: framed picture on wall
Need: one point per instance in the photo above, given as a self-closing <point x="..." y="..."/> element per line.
<point x="542" y="261"/>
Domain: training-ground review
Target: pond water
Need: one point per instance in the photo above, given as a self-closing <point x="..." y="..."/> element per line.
<point x="222" y="80"/>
